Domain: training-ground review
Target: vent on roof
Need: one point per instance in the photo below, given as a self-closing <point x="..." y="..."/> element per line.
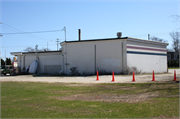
<point x="119" y="34"/>
<point x="79" y="34"/>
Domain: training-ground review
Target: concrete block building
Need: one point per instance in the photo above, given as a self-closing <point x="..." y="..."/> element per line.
<point x="105" y="55"/>
<point x="48" y="62"/>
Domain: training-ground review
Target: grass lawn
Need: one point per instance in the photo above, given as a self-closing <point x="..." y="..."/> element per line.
<point x="63" y="100"/>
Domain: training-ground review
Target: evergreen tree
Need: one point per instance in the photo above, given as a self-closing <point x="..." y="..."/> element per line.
<point x="8" y="61"/>
<point x="2" y="62"/>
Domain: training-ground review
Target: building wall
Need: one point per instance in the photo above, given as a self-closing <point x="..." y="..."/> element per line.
<point x="20" y="65"/>
<point x="147" y="56"/>
<point x="29" y="58"/>
<point x="90" y="56"/>
<point x="50" y="63"/>
<point x="47" y="62"/>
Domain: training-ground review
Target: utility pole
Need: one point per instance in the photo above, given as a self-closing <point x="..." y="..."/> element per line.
<point x="57" y="43"/>
<point x="148" y="36"/>
<point x="47" y="44"/>
<point x="64" y="29"/>
<point x="65" y="32"/>
<point x="0" y="52"/>
<point x="0" y="33"/>
<point x="5" y="56"/>
<point x="36" y="48"/>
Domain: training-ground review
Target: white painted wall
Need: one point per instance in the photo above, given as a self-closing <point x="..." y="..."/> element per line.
<point x="19" y="60"/>
<point x="147" y="63"/>
<point x="52" y="60"/>
<point x="82" y="55"/>
<point x="29" y="58"/>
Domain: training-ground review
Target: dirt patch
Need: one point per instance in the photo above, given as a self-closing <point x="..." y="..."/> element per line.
<point x="113" y="87"/>
<point x="161" y="117"/>
<point x="57" y="91"/>
<point x="82" y="84"/>
<point x="110" y="98"/>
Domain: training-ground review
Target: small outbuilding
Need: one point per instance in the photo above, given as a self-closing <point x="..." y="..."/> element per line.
<point x="48" y="62"/>
<point x="121" y="55"/>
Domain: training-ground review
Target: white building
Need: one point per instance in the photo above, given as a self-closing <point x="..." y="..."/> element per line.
<point x="105" y="55"/>
<point x="48" y="62"/>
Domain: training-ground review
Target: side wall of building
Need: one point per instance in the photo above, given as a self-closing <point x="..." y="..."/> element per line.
<point x="47" y="62"/>
<point x="90" y="56"/>
<point x="147" y="56"/>
<point x="50" y="63"/>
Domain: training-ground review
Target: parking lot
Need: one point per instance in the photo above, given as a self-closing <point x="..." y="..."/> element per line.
<point x="143" y="78"/>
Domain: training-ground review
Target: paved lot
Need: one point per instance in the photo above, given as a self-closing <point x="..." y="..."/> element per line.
<point x="92" y="79"/>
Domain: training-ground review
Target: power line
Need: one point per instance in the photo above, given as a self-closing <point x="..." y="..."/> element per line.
<point x="15" y="29"/>
<point x="31" y="32"/>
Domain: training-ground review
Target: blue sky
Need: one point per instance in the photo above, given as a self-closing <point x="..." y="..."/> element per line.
<point x="96" y="19"/>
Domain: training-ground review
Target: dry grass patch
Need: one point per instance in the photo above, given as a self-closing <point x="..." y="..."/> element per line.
<point x="110" y="98"/>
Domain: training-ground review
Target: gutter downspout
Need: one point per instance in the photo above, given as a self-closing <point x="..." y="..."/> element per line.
<point x="37" y="58"/>
<point x="66" y="58"/>
<point x="23" y="63"/>
<point x="124" y="58"/>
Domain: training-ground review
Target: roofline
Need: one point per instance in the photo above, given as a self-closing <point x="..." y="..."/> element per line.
<point x="16" y="53"/>
<point x="147" y="41"/>
<point x="94" y="40"/>
<point x="128" y="38"/>
<point x="21" y="53"/>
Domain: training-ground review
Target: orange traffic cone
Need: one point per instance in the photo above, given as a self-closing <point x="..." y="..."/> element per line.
<point x="113" y="77"/>
<point x="175" y="76"/>
<point x="133" y="77"/>
<point x="97" y="76"/>
<point x="153" y="78"/>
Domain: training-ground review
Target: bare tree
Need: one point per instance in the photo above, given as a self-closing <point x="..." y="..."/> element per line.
<point x="157" y="39"/>
<point x="29" y="49"/>
<point x="176" y="18"/>
<point x="175" y="39"/>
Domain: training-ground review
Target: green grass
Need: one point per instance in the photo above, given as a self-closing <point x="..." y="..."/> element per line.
<point x="174" y="68"/>
<point x="43" y="100"/>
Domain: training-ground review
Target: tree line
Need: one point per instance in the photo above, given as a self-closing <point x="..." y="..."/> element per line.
<point x="175" y="36"/>
<point x="8" y="61"/>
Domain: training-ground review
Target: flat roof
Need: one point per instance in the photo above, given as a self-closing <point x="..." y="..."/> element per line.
<point x="20" y="53"/>
<point x="94" y="40"/>
<point x="76" y="41"/>
<point x="148" y="41"/>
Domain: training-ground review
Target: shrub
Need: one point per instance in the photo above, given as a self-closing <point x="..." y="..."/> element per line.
<point x="131" y="69"/>
<point x="172" y="63"/>
<point x="169" y="63"/>
<point x="178" y="63"/>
